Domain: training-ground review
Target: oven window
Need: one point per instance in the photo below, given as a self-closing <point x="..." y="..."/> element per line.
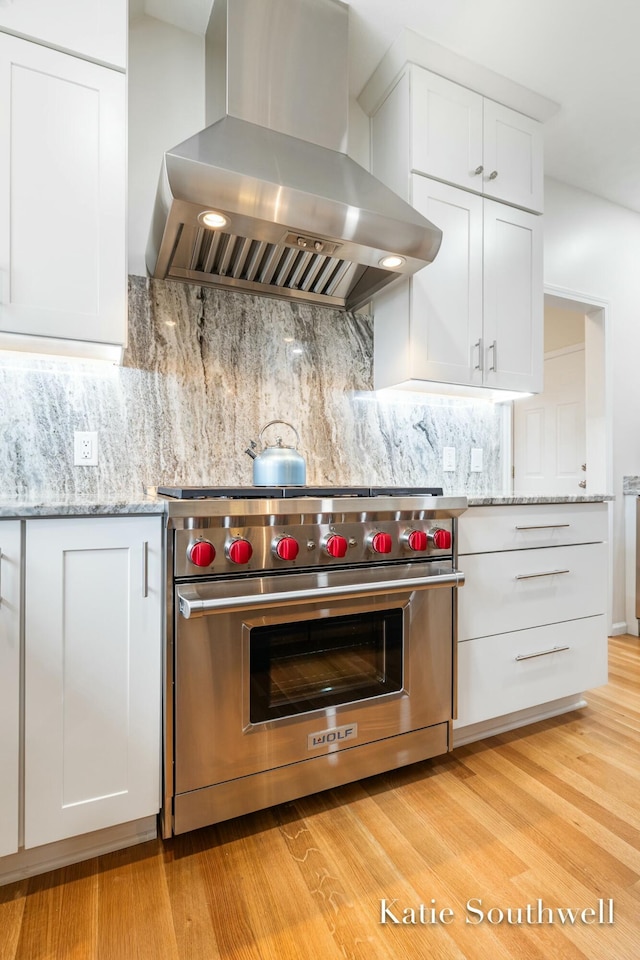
<point x="296" y="667"/>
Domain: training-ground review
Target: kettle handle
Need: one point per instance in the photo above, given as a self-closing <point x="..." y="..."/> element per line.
<point x="286" y="423"/>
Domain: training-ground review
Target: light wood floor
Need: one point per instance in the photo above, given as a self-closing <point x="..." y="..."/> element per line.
<point x="550" y="812"/>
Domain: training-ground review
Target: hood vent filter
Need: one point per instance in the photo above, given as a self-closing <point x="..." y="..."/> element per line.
<point x="211" y="256"/>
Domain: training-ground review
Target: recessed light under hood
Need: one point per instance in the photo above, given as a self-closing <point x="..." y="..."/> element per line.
<point x="303" y="220"/>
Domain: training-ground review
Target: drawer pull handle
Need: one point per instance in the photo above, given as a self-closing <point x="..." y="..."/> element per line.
<point x="545" y="526"/>
<point x="145" y="569"/>
<point x="532" y="576"/>
<point x="542" y="653"/>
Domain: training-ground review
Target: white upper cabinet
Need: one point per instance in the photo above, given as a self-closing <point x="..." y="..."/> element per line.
<point x="446" y="296"/>
<point x="513" y="299"/>
<point x="62" y="197"/>
<point x="467" y="140"/>
<point x="513" y="169"/>
<point x="473" y="317"/>
<point x="95" y="29"/>
<point x="10" y="553"/>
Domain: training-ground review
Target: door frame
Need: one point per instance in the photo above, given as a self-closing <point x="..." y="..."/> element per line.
<point x="598" y="402"/>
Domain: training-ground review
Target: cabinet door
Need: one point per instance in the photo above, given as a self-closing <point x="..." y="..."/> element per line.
<point x="62" y="195"/>
<point x="9" y="683"/>
<point x="446" y="297"/>
<point x="446" y="124"/>
<point x="92" y="674"/>
<point x="513" y="299"/>
<point x="513" y="157"/>
<point x="96" y="29"/>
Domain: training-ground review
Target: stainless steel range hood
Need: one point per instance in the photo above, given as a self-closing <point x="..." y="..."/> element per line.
<point x="301" y="220"/>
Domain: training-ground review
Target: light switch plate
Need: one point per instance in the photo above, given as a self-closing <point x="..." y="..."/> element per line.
<point x="476" y="460"/>
<point x="448" y="459"/>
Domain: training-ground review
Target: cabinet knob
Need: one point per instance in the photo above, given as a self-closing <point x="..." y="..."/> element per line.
<point x="493" y="175"/>
<point x="582" y="483"/>
<point x="478" y="171"/>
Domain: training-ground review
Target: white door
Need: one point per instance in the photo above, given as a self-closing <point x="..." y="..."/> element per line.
<point x="96" y="29"/>
<point x="549" y="430"/>
<point x="62" y="195"/>
<point x="446" y="296"/>
<point x="93" y="616"/>
<point x="10" y="553"/>
<point x="513" y="298"/>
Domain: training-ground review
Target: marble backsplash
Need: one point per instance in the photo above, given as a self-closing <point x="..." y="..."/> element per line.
<point x="204" y="371"/>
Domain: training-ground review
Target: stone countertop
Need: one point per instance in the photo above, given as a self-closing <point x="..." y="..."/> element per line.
<point x="631" y="486"/>
<point x="74" y="506"/>
<point x="490" y="500"/>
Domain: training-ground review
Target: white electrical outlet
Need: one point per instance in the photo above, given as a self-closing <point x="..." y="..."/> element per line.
<point x="448" y="459"/>
<point x="85" y="448"/>
<point x="476" y="460"/>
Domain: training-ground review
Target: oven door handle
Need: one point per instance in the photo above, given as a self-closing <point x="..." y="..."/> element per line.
<point x="192" y="606"/>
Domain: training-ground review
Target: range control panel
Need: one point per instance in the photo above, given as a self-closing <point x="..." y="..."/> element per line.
<point x="215" y="548"/>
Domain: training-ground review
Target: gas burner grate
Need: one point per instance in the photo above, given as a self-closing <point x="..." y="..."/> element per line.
<point x="289" y="493"/>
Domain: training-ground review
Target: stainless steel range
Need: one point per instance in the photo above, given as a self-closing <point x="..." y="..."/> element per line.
<point x="311" y="641"/>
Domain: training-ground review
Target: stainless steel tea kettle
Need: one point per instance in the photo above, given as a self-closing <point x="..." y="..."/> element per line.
<point x="277" y="465"/>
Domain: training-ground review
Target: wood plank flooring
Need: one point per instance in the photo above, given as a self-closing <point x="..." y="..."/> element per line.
<point x="550" y="813"/>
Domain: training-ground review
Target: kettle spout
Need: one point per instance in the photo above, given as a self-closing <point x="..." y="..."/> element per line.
<point x="250" y="450"/>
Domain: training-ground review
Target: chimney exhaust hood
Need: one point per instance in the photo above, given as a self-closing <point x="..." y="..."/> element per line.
<point x="296" y="218"/>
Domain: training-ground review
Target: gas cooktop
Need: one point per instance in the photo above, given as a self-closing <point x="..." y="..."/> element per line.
<point x="284" y="493"/>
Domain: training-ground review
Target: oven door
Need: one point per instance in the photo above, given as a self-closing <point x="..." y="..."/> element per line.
<point x="278" y="669"/>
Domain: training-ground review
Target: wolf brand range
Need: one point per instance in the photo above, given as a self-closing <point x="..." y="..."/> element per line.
<point x="311" y="641"/>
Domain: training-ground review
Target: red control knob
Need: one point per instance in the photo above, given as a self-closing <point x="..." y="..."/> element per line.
<point x="417" y="540"/>
<point x="441" y="539"/>
<point x="239" y="551"/>
<point x="382" y="543"/>
<point x="336" y="546"/>
<point x="286" y="548"/>
<point x="202" y="553"/>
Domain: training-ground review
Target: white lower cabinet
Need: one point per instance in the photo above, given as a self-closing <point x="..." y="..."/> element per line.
<point x="508" y="672"/>
<point x="10" y="578"/>
<point x="92" y="674"/>
<point x="531" y="617"/>
<point x="506" y="591"/>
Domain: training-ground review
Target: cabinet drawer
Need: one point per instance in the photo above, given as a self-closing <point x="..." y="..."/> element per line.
<point x="518" y="589"/>
<point x="518" y="527"/>
<point x="493" y="682"/>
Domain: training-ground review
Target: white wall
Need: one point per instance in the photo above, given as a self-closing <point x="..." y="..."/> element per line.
<point x="562" y="328"/>
<point x="592" y="247"/>
<point x="166" y="105"/>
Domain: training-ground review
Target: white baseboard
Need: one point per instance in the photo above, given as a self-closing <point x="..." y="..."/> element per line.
<point x="51" y="856"/>
<point x="619" y="628"/>
<point x="488" y="728"/>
